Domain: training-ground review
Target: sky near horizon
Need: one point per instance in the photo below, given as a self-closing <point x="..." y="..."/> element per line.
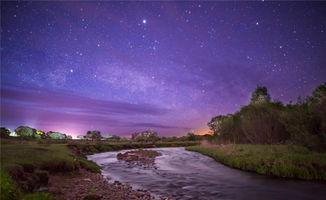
<point x="123" y="67"/>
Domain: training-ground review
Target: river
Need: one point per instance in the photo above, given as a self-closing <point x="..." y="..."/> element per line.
<point x="190" y="175"/>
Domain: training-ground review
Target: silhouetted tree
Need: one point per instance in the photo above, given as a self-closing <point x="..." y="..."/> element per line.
<point x="145" y="136"/>
<point x="94" y="135"/>
<point x="4" y="132"/>
<point x="192" y="136"/>
<point x="260" y="95"/>
<point x="215" y="123"/>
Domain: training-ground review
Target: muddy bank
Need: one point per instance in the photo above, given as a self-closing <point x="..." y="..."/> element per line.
<point x="92" y="186"/>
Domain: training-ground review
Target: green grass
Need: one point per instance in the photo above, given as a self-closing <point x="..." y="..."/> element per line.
<point x="275" y="160"/>
<point x="38" y="196"/>
<point x="50" y="157"/>
<point x="9" y="190"/>
<point x="89" y="147"/>
<point x="29" y="165"/>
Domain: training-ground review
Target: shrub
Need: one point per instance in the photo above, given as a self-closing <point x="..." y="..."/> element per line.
<point x="94" y="135"/>
<point x="25" y="132"/>
<point x="260" y="124"/>
<point x="4" y="132"/>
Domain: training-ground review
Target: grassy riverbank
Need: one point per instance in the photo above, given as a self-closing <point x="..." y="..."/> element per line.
<point x="274" y="160"/>
<point x="29" y="166"/>
<point x="26" y="165"/>
<point x="86" y="148"/>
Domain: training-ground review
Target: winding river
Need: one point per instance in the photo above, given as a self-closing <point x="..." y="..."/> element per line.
<point x="190" y="175"/>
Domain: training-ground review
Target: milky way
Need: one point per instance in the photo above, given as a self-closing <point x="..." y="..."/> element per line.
<point x="122" y="67"/>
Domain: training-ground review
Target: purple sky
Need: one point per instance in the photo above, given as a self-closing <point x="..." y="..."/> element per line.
<point x="122" y="67"/>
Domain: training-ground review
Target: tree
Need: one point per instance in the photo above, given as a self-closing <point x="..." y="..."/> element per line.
<point x="318" y="107"/>
<point x="191" y="136"/>
<point x="319" y="94"/>
<point x="145" y="136"/>
<point x="25" y="131"/>
<point x="261" y="124"/>
<point x="4" y="132"/>
<point x="260" y="95"/>
<point x="94" y="135"/>
<point x="216" y="122"/>
<point x="40" y="134"/>
<point x="57" y="135"/>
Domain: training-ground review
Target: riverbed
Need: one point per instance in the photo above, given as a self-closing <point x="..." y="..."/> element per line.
<point x="190" y="175"/>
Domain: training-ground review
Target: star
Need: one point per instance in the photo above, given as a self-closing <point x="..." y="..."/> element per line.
<point x="170" y="55"/>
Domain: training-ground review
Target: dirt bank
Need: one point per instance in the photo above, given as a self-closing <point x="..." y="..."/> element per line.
<point x="92" y="186"/>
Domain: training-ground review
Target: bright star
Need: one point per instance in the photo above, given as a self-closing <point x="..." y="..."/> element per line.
<point x="144" y="21"/>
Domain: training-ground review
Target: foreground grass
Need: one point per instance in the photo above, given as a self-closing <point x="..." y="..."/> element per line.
<point x="29" y="165"/>
<point x="49" y="157"/>
<point x="274" y="160"/>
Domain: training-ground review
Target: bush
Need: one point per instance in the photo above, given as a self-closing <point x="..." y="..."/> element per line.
<point x="260" y="124"/>
<point x="4" y="132"/>
<point x="94" y="135"/>
<point x="25" y="132"/>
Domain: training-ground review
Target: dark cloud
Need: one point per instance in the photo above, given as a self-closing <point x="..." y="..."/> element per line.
<point x="56" y="99"/>
<point x="44" y="108"/>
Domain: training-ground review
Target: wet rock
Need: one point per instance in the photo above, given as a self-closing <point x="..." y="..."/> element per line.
<point x="143" y="158"/>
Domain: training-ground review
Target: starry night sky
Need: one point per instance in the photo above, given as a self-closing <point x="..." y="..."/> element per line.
<point x="122" y="67"/>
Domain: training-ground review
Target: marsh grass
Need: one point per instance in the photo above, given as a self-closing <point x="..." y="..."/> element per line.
<point x="275" y="160"/>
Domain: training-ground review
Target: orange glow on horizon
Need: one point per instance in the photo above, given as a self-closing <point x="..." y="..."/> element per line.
<point x="204" y="132"/>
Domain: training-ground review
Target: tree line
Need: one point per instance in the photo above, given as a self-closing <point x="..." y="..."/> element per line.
<point x="25" y="132"/>
<point x="264" y="121"/>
